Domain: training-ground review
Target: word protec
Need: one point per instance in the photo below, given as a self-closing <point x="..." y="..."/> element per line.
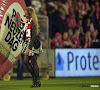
<point x="83" y="62"/>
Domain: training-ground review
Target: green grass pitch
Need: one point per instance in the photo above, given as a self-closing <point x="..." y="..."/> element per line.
<point x="76" y="83"/>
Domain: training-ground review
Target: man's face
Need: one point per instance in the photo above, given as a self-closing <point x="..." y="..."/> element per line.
<point x="78" y="32"/>
<point x="65" y="35"/>
<point x="59" y="38"/>
<point x="88" y="34"/>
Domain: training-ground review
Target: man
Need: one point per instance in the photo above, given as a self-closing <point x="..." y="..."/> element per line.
<point x="75" y="39"/>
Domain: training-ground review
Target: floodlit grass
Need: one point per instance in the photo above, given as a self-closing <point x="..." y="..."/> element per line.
<point x="77" y="83"/>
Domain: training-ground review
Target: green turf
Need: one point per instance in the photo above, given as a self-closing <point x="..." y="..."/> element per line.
<point x="53" y="84"/>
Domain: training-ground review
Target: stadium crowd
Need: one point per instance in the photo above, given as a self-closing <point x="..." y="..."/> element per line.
<point x="72" y="23"/>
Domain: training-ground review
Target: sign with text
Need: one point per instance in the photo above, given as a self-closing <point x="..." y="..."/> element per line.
<point x="77" y="62"/>
<point x="11" y="36"/>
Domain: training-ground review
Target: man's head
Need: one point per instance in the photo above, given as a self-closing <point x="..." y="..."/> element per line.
<point x="58" y="36"/>
<point x="76" y="31"/>
<point x="65" y="36"/>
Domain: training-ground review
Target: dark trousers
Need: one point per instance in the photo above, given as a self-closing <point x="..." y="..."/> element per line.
<point x="20" y="67"/>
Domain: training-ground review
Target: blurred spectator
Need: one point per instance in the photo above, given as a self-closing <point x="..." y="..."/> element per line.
<point x="88" y="25"/>
<point x="66" y="40"/>
<point x="92" y="14"/>
<point x="43" y="5"/>
<point x="57" y="42"/>
<point x="95" y="40"/>
<point x="87" y="6"/>
<point x="80" y="26"/>
<point x="69" y="4"/>
<point x="63" y="5"/>
<point x="85" y="41"/>
<point x="43" y="32"/>
<point x="52" y="14"/>
<point x="71" y="19"/>
<point x="70" y="33"/>
<point x="43" y="40"/>
<point x="75" y="39"/>
<point x="97" y="7"/>
<point x="58" y="22"/>
<point x="88" y="39"/>
<point x="36" y="4"/>
<point x="98" y="27"/>
<point x="42" y="11"/>
<point x="81" y="7"/>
